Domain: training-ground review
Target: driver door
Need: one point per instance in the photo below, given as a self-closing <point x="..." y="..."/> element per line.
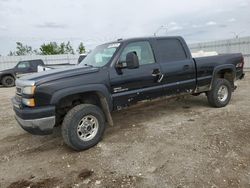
<point x="23" y="68"/>
<point x="132" y="85"/>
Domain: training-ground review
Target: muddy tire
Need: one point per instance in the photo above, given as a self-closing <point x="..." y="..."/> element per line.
<point x="83" y="126"/>
<point x="220" y="94"/>
<point x="8" y="81"/>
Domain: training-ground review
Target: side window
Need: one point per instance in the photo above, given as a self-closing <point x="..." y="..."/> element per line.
<point x="36" y="63"/>
<point x="170" y="50"/>
<point x="143" y="51"/>
<point x="23" y="65"/>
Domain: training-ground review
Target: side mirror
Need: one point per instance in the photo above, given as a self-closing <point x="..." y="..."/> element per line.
<point x="132" y="60"/>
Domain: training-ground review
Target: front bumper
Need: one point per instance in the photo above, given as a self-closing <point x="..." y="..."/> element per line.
<point x="42" y="126"/>
<point x="38" y="121"/>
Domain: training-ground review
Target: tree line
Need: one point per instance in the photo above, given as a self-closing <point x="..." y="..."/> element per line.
<point x="51" y="48"/>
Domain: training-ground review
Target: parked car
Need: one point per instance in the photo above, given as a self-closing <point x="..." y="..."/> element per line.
<point x="8" y="77"/>
<point x="114" y="76"/>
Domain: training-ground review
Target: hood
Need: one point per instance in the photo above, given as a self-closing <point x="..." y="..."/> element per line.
<point x="6" y="71"/>
<point x="55" y="74"/>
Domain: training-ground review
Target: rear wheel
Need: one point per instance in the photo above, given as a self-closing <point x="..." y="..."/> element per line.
<point x="83" y="126"/>
<point x="220" y="94"/>
<point x="8" y="81"/>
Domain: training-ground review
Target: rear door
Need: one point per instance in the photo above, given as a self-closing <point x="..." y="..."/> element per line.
<point x="132" y="85"/>
<point x="177" y="67"/>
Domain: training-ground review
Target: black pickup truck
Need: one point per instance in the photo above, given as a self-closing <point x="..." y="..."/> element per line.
<point x="114" y="76"/>
<point x="8" y="76"/>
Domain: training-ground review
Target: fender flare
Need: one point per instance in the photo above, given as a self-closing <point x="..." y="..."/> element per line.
<point x="220" y="68"/>
<point x="100" y="89"/>
<point x="7" y="74"/>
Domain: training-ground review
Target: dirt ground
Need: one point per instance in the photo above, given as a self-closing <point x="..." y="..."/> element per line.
<point x="176" y="143"/>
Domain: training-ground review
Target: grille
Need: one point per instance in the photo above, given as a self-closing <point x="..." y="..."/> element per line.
<point x="18" y="98"/>
<point x="18" y="94"/>
<point x="18" y="90"/>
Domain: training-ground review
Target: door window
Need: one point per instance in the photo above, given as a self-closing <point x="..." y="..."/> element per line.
<point x="23" y="65"/>
<point x="143" y="51"/>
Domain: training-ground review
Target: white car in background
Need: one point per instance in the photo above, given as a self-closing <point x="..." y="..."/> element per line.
<point x="42" y="68"/>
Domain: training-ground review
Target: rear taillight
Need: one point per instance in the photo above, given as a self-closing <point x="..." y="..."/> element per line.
<point x="241" y="64"/>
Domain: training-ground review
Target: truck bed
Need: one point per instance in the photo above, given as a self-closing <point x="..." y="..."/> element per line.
<point x="206" y="67"/>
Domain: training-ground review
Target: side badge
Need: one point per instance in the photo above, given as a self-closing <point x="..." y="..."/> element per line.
<point x="119" y="89"/>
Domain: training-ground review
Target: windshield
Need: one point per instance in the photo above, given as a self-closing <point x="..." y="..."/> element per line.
<point x="101" y="55"/>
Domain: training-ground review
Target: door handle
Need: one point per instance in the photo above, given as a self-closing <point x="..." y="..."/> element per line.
<point x="157" y="73"/>
<point x="185" y="67"/>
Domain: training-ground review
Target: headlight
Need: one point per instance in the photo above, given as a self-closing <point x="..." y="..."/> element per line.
<point x="29" y="90"/>
<point x="29" y="102"/>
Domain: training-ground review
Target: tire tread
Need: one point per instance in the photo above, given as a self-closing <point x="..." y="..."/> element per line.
<point x="4" y="81"/>
<point x="212" y="99"/>
<point x="68" y="118"/>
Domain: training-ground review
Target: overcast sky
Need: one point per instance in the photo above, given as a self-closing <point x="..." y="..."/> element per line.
<point x="34" y="22"/>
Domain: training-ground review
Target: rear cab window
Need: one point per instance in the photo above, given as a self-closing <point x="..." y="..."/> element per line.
<point x="170" y="50"/>
<point x="37" y="62"/>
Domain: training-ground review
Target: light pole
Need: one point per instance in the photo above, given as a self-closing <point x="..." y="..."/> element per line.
<point x="237" y="35"/>
<point x="160" y="28"/>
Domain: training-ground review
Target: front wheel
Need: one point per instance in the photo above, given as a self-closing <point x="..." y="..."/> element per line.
<point x="83" y="126"/>
<point x="220" y="94"/>
<point x="8" y="81"/>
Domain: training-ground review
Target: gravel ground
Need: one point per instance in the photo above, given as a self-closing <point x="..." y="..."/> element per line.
<point x="164" y="143"/>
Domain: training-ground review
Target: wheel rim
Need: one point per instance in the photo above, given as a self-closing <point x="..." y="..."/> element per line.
<point x="9" y="81"/>
<point x="87" y="128"/>
<point x="223" y="93"/>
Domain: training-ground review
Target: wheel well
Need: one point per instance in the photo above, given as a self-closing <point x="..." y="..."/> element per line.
<point x="1" y="78"/>
<point x="6" y="75"/>
<point x="68" y="102"/>
<point x="227" y="74"/>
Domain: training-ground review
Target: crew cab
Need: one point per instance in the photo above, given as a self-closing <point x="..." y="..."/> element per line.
<point x="114" y="76"/>
<point x="7" y="77"/>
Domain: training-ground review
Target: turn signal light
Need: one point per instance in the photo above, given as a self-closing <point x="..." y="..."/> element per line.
<point x="29" y="102"/>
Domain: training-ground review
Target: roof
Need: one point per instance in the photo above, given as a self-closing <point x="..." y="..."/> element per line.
<point x="145" y="38"/>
